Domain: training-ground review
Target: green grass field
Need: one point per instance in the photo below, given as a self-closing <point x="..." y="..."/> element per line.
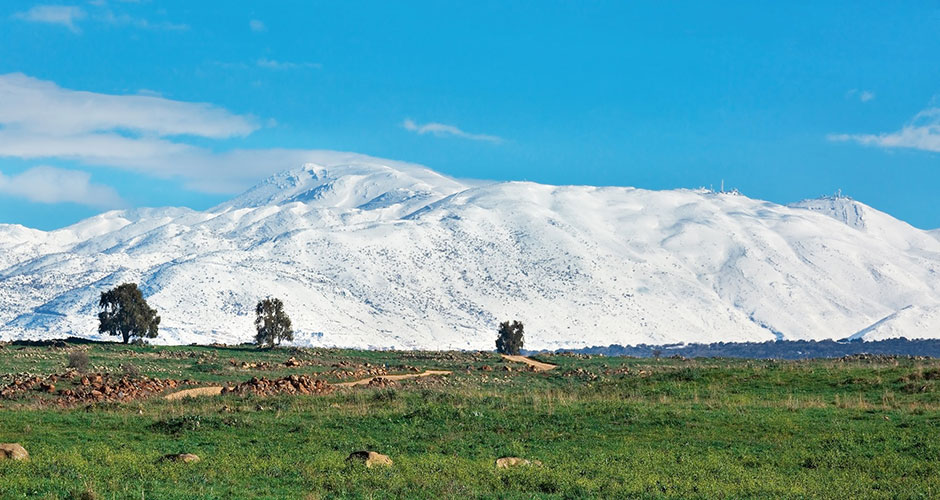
<point x="601" y="427"/>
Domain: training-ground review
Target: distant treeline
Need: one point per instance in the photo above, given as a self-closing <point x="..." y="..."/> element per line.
<point x="780" y="349"/>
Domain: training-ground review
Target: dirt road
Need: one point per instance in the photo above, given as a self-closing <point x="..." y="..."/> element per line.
<point x="540" y="366"/>
<point x="191" y="393"/>
<point x="215" y="391"/>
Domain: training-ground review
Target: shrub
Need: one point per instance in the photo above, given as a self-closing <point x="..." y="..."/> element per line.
<point x="78" y="360"/>
<point x="130" y="370"/>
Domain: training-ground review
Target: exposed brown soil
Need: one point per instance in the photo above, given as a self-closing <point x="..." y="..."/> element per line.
<point x="191" y="393"/>
<point x="538" y="365"/>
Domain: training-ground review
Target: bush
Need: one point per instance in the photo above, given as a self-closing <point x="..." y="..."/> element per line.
<point x="78" y="360"/>
<point x="130" y="370"/>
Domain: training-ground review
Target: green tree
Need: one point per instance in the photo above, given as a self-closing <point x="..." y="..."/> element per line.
<point x="509" y="339"/>
<point x="272" y="323"/>
<point x="126" y="313"/>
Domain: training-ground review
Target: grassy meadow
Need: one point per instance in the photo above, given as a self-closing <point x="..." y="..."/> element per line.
<point x="601" y="427"/>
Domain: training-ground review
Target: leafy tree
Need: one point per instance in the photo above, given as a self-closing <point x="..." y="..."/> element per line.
<point x="272" y="323"/>
<point x="509" y="339"/>
<point x="126" y="313"/>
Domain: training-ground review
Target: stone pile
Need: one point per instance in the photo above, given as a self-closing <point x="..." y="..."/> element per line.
<point x="103" y="387"/>
<point x="344" y="370"/>
<point x="293" y="384"/>
<point x="382" y="382"/>
<point x="95" y="387"/>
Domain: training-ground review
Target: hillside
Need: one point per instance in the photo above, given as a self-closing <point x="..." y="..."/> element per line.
<point x="377" y="254"/>
<point x="284" y="422"/>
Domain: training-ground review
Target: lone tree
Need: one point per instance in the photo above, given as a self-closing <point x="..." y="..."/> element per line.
<point x="510" y="338"/>
<point x="272" y="323"/>
<point x="126" y="313"/>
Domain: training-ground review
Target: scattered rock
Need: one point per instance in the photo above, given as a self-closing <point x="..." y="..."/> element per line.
<point x="370" y="458"/>
<point x="381" y="382"/>
<point x="181" y="457"/>
<point x="13" y="451"/>
<point x="87" y="388"/>
<point x="293" y="384"/>
<point x="507" y="462"/>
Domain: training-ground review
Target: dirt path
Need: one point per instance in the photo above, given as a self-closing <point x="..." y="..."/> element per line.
<point x="540" y="366"/>
<point x="215" y="391"/>
<point x="191" y="393"/>
<point x="426" y="373"/>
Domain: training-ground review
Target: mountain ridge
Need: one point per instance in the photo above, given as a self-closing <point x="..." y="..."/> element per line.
<point x="370" y="253"/>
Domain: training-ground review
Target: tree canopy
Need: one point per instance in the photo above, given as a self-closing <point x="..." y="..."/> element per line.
<point x="510" y="338"/>
<point x="272" y="323"/>
<point x="126" y="313"/>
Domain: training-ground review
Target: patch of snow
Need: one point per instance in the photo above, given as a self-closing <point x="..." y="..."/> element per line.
<point x="373" y="253"/>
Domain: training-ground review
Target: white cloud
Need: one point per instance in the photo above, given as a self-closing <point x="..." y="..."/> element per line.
<point x="54" y="14"/>
<point x="922" y="132"/>
<point x="282" y="65"/>
<point x="861" y="95"/>
<point x="257" y="26"/>
<point x="44" y="184"/>
<point x="109" y="17"/>
<point x="138" y="133"/>
<point x="68" y="16"/>
<point x="444" y="130"/>
<point x="41" y="108"/>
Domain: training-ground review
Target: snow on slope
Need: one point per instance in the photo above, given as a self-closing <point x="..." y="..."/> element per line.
<point x="866" y="219"/>
<point x="902" y="323"/>
<point x="371" y="253"/>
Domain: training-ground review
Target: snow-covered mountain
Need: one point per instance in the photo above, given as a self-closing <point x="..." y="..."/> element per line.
<point x="373" y="253"/>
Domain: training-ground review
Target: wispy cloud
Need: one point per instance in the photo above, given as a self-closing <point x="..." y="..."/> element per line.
<point x="37" y="107"/>
<point x="861" y="95"/>
<point x="44" y="184"/>
<point x="69" y="17"/>
<point x="444" y="130"/>
<point x="139" y="133"/>
<point x="62" y="15"/>
<point x="109" y="17"/>
<point x="39" y="119"/>
<point x="283" y="65"/>
<point x="921" y="132"/>
<point x="257" y="26"/>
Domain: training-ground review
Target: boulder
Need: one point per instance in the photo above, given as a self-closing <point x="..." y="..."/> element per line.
<point x="13" y="451"/>
<point x="181" y="457"/>
<point x="370" y="458"/>
<point x="507" y="462"/>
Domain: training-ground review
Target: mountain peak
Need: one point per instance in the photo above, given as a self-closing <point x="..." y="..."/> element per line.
<point x="348" y="182"/>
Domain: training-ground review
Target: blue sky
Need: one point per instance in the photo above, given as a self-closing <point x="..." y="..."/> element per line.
<point x="116" y="104"/>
